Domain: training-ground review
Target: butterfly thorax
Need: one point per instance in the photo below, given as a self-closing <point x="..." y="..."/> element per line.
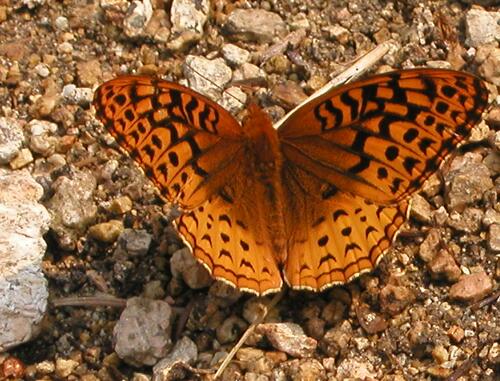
<point x="266" y="162"/>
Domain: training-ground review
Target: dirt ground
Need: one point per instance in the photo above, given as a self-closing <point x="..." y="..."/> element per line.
<point x="403" y="321"/>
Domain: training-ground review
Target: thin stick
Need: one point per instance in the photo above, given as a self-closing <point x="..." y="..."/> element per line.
<point x="90" y="301"/>
<point x="358" y="68"/>
<point x="247" y="333"/>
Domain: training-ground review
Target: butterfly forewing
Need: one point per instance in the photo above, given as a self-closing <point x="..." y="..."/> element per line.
<point x="182" y="140"/>
<point x="382" y="137"/>
<point x="352" y="158"/>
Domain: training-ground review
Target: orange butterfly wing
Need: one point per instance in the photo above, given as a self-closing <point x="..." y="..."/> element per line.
<point x="192" y="149"/>
<point x="354" y="155"/>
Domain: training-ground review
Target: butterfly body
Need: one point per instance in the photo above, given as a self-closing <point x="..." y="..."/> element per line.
<point x="317" y="201"/>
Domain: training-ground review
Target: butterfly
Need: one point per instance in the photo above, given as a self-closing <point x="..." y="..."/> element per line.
<point x="316" y="201"/>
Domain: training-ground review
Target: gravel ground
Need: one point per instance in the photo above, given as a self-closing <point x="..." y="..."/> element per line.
<point x="418" y="316"/>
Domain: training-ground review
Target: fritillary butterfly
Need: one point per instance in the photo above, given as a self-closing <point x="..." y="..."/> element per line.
<point x="316" y="201"/>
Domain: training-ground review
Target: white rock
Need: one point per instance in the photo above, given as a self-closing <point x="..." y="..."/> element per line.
<point x="234" y="55"/>
<point x="188" y="15"/>
<point x="481" y="27"/>
<point x="23" y="222"/>
<point x="11" y="139"/>
<point x="77" y="95"/>
<point x="138" y="16"/>
<point x="233" y="99"/>
<point x="207" y="76"/>
<point x="61" y="23"/>
<point x="42" y="70"/>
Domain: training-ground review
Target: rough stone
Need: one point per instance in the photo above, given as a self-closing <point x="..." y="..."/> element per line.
<point x="133" y="243"/>
<point x="288" y="338"/>
<point x="256" y="25"/>
<point x="138" y="16"/>
<point x="471" y="288"/>
<point x="142" y="334"/>
<point x="72" y="205"/>
<point x="336" y="340"/>
<point x="41" y="139"/>
<point x="207" y="77"/>
<point x="106" y="231"/>
<point x="355" y="369"/>
<point x="394" y="299"/>
<point x="481" y="27"/>
<point x="89" y="73"/>
<point x="430" y="246"/>
<point x="469" y="221"/>
<point x="11" y="139"/>
<point x="421" y="210"/>
<point x="234" y="55"/>
<point x="184" y="265"/>
<point x="187" y="15"/>
<point x="489" y="68"/>
<point x="443" y="265"/>
<point x="23" y="158"/>
<point x="494" y="237"/>
<point x="466" y="181"/>
<point x="23" y="221"/>
<point x="184" y="351"/>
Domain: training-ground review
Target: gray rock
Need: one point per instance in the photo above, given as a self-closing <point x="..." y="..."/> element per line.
<point x="133" y="243"/>
<point x="234" y="55"/>
<point x="11" y="139"/>
<point x="77" y="95"/>
<point x="255" y="25"/>
<point x="469" y="221"/>
<point x="72" y="206"/>
<point x="184" y="265"/>
<point x="23" y="222"/>
<point x="138" y="16"/>
<point x="233" y="99"/>
<point x="481" y="27"/>
<point x="184" y="351"/>
<point x="466" y="181"/>
<point x="142" y="335"/>
<point x="288" y="338"/>
<point x="208" y="77"/>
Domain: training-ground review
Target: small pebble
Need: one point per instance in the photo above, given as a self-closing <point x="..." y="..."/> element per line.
<point x="107" y="231"/>
<point x="471" y="288"/>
